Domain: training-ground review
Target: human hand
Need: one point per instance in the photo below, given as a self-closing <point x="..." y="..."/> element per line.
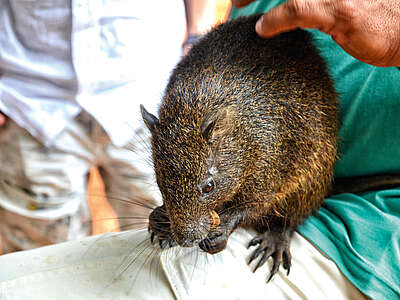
<point x="367" y="30"/>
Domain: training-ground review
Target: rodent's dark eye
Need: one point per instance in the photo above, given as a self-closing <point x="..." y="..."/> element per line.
<point x="208" y="187"/>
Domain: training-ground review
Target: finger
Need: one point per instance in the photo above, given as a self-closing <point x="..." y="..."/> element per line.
<point x="241" y="3"/>
<point x="296" y="13"/>
<point x="2" y="120"/>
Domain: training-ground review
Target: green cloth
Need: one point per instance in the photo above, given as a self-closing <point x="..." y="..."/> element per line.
<point x="361" y="233"/>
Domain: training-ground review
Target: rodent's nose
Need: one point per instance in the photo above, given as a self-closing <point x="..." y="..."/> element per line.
<point x="191" y="233"/>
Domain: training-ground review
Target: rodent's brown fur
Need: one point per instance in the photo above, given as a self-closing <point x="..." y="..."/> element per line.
<point x="258" y="116"/>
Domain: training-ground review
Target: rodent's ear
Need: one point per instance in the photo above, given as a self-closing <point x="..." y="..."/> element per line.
<point x="207" y="127"/>
<point x="215" y="124"/>
<point x="150" y="120"/>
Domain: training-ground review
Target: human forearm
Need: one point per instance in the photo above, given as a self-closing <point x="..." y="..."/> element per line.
<point x="199" y="15"/>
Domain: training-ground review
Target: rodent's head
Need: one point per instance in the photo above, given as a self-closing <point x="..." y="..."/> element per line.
<point x="194" y="175"/>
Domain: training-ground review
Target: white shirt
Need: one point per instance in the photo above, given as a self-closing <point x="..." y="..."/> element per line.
<point x="58" y="57"/>
<point x="126" y="266"/>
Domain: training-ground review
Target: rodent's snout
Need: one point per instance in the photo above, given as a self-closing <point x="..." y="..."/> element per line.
<point x="192" y="233"/>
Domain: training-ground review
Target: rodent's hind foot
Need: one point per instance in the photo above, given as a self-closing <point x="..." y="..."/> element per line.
<point x="273" y="244"/>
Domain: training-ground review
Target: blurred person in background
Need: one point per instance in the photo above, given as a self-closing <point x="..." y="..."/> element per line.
<point x="72" y="76"/>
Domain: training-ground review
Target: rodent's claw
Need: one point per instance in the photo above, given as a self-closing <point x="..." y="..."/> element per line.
<point x="267" y="253"/>
<point x="254" y="242"/>
<point x="287" y="262"/>
<point x="162" y="243"/>
<point x="272" y="244"/>
<point x="281" y="256"/>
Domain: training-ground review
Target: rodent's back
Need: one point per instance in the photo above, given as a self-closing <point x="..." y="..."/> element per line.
<point x="280" y="88"/>
<point x="233" y="66"/>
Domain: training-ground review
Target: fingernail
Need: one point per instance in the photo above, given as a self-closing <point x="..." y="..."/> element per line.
<point x="259" y="24"/>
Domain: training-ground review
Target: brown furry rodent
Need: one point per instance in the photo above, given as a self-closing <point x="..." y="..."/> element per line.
<point x="246" y="135"/>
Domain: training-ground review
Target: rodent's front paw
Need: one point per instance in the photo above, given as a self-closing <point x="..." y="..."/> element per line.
<point x="272" y="244"/>
<point x="215" y="241"/>
<point x="159" y="226"/>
